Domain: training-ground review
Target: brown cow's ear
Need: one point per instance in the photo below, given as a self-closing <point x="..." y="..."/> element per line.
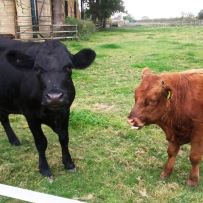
<point x="167" y="90"/>
<point x="168" y="94"/>
<point x="146" y="71"/>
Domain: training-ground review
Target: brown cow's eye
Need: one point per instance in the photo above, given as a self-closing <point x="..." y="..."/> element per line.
<point x="146" y="103"/>
<point x="152" y="102"/>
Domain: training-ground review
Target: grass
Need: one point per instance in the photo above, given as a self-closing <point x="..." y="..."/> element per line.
<point x="114" y="163"/>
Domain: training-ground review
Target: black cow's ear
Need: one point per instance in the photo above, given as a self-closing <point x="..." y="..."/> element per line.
<point x="20" y="60"/>
<point x="83" y="58"/>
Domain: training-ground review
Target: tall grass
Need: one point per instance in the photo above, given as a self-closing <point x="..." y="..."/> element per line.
<point x="114" y="163"/>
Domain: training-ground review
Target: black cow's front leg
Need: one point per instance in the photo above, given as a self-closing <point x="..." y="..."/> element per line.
<point x="59" y="125"/>
<point x="41" y="145"/>
<point x="66" y="157"/>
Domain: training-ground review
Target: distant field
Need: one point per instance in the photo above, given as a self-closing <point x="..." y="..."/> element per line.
<point x="114" y="163"/>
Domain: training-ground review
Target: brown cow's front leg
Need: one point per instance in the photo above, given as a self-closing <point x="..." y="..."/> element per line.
<point x="195" y="159"/>
<point x="173" y="149"/>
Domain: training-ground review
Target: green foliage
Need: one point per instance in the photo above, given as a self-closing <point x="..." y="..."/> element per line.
<point x="114" y="163"/>
<point x="100" y="10"/>
<point x="130" y="18"/>
<point x="83" y="118"/>
<point x="200" y="14"/>
<point x="85" y="27"/>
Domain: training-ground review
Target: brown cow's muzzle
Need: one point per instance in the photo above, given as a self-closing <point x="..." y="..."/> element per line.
<point x="135" y="123"/>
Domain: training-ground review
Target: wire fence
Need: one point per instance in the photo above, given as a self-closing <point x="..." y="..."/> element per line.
<point x="164" y="23"/>
<point x="46" y="31"/>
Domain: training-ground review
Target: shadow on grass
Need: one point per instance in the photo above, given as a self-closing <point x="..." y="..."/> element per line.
<point x="110" y="46"/>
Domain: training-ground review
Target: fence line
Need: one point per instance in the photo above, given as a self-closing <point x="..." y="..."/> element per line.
<point x="47" y="31"/>
<point x="169" y="22"/>
<point x="31" y="196"/>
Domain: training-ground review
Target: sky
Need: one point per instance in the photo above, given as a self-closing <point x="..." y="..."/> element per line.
<point x="162" y="8"/>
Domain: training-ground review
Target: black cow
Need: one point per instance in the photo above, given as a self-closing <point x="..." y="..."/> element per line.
<point x="35" y="80"/>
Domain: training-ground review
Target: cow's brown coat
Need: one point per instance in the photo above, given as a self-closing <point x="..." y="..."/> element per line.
<point x="173" y="101"/>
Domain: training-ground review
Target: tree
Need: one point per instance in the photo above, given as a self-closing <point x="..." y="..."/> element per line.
<point x="200" y="14"/>
<point x="187" y="15"/>
<point x="101" y="10"/>
<point x="130" y="18"/>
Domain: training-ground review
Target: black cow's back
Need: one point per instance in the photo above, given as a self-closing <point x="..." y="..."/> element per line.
<point x="27" y="47"/>
<point x="16" y="86"/>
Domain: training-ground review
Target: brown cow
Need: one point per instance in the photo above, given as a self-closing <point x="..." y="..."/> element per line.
<point x="173" y="101"/>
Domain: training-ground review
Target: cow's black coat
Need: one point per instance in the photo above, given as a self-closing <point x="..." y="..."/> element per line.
<point x="35" y="80"/>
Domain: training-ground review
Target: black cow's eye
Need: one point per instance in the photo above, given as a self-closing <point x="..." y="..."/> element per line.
<point x="69" y="69"/>
<point x="37" y="69"/>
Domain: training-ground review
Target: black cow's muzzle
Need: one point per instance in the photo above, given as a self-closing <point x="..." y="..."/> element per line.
<point x="54" y="100"/>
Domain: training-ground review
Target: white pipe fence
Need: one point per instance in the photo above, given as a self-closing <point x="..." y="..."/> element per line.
<point x="31" y="196"/>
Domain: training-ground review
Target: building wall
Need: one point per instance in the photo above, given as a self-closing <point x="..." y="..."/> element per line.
<point x="44" y="16"/>
<point x="13" y="13"/>
<point x="44" y="11"/>
<point x="7" y="17"/>
<point x="78" y="16"/>
<point x="71" y="9"/>
<point x="24" y="18"/>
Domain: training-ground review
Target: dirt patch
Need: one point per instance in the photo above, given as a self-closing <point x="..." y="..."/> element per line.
<point x="103" y="107"/>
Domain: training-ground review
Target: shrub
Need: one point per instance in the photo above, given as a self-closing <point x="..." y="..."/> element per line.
<point x="85" y="27"/>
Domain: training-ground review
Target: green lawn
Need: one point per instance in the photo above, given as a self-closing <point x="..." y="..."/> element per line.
<point x="114" y="163"/>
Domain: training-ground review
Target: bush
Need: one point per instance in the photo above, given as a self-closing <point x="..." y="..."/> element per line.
<point x="85" y="27"/>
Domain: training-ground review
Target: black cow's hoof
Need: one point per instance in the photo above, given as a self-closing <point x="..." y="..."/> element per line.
<point x="46" y="173"/>
<point x="15" y="142"/>
<point x="70" y="167"/>
<point x="50" y="179"/>
<point x="72" y="170"/>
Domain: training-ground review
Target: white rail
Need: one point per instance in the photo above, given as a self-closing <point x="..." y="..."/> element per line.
<point x="31" y="196"/>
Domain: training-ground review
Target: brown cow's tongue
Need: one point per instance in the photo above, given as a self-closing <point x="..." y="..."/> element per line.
<point x="134" y="127"/>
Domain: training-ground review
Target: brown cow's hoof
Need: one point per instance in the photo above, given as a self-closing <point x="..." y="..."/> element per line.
<point x="192" y="183"/>
<point x="164" y="175"/>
